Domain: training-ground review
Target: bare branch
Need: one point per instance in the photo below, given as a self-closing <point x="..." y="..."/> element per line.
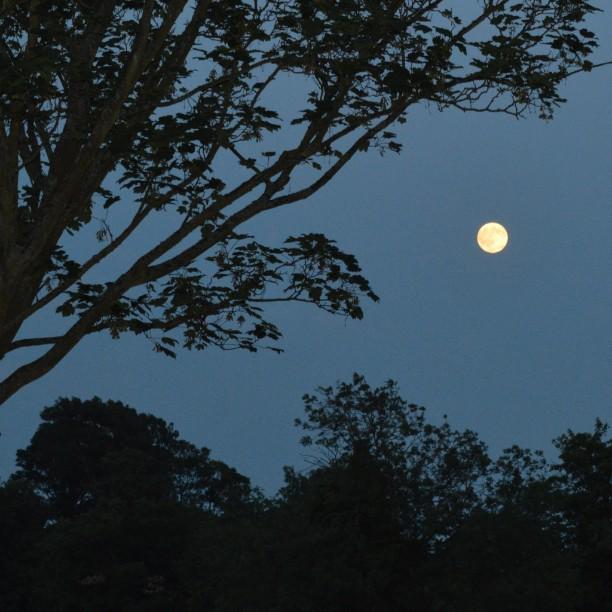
<point x="29" y="342"/>
<point x="587" y="69"/>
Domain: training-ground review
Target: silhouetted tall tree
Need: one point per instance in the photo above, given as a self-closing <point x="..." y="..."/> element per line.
<point x="87" y="451"/>
<point x="583" y="482"/>
<point x="137" y="109"/>
<point x="121" y="496"/>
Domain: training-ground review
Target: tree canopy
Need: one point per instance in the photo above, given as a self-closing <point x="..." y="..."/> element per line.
<point x="110" y="509"/>
<point x="118" y="113"/>
<point x="84" y="452"/>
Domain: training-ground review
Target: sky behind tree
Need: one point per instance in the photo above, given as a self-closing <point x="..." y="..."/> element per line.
<point x="515" y="346"/>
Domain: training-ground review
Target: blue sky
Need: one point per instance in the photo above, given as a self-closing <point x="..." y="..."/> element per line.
<point x="516" y="346"/>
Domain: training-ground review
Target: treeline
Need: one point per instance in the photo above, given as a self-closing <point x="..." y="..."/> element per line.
<point x="110" y="510"/>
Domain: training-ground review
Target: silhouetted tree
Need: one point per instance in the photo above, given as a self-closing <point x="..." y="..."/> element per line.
<point x="139" y="107"/>
<point x="85" y="451"/>
<point x="111" y="510"/>
<point x="23" y="515"/>
<point x="503" y="534"/>
<point x="436" y="471"/>
<point x="504" y="561"/>
<point x="583" y="481"/>
<point x="121" y="496"/>
<point x="353" y="549"/>
<point x="116" y="556"/>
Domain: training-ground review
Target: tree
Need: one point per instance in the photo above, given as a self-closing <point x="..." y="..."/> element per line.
<point x="505" y="561"/>
<point x="104" y="507"/>
<point x="501" y="534"/>
<point x="437" y="472"/>
<point x="135" y="107"/>
<point x="86" y="452"/>
<point x="111" y="510"/>
<point x="583" y="481"/>
<point x="348" y="543"/>
<point x="22" y="517"/>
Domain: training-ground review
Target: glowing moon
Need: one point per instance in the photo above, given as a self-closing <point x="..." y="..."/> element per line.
<point x="492" y="237"/>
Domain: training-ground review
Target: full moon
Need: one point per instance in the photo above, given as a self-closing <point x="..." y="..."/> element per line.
<point x="492" y="237"/>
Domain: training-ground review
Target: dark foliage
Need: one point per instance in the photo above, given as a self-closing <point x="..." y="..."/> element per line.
<point x="111" y="510"/>
<point x="118" y="113"/>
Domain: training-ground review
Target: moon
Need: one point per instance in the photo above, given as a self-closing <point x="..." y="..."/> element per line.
<point x="492" y="237"/>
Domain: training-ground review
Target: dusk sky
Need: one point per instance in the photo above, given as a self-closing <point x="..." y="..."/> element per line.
<point x="516" y="346"/>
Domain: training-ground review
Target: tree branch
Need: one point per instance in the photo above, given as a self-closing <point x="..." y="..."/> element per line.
<point x="83" y="269"/>
<point x="133" y="69"/>
<point x="591" y="67"/>
<point x="29" y="342"/>
<point x="342" y="161"/>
